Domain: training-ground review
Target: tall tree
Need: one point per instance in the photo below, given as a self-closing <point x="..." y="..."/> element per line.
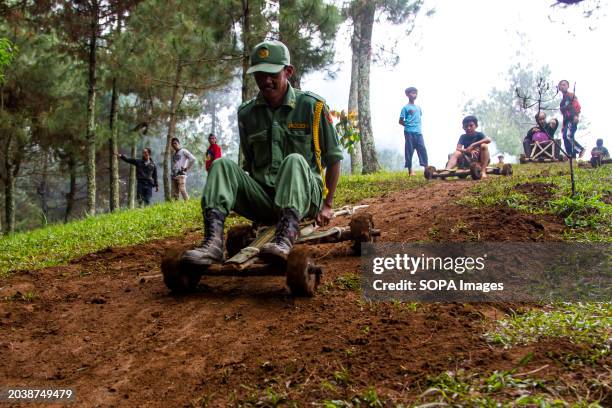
<point x="26" y="98"/>
<point x="363" y="12"/>
<point x="85" y="24"/>
<point x="356" y="155"/>
<point x="309" y="29"/>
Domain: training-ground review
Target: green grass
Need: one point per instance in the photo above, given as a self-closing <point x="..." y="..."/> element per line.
<point x="58" y="244"/>
<point x="354" y="188"/>
<point x="581" y="323"/>
<point x="588" y="215"/>
<point x="498" y="389"/>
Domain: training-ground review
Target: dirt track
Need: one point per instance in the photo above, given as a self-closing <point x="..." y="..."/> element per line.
<point x="106" y="326"/>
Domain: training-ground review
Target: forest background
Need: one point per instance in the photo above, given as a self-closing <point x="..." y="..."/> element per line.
<point x="82" y="80"/>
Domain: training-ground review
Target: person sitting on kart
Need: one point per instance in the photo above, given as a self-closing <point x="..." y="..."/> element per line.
<point x="599" y="153"/>
<point x="472" y="144"/>
<point x="288" y="140"/>
<point x="543" y="131"/>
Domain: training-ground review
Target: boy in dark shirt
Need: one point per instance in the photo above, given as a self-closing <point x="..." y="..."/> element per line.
<point x="146" y="176"/>
<point x="599" y="153"/>
<point x="472" y="143"/>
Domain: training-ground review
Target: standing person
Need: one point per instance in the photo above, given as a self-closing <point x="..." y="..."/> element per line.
<point x="570" y="109"/>
<point x="213" y="152"/>
<point x="182" y="161"/>
<point x="146" y="176"/>
<point x="410" y="119"/>
<point x="292" y="156"/>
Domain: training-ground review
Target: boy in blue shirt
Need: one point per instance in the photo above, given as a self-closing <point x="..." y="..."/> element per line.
<point x="410" y="119"/>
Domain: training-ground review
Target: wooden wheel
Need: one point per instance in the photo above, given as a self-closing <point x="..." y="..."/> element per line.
<point x="361" y="230"/>
<point x="429" y="172"/>
<point x="506" y="169"/>
<point x="303" y="276"/>
<point x="239" y="237"/>
<point x="178" y="277"/>
<point x="475" y="171"/>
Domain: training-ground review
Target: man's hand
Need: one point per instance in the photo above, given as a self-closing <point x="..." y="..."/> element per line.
<point x="325" y="215"/>
<point x="118" y="155"/>
<point x="576" y="119"/>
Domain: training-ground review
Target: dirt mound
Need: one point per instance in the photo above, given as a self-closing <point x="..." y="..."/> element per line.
<point x="106" y="326"/>
<point x="539" y="191"/>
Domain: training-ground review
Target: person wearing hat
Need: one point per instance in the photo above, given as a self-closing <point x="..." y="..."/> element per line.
<point x="291" y="162"/>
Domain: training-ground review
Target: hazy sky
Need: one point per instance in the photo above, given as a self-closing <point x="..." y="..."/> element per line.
<point x="464" y="50"/>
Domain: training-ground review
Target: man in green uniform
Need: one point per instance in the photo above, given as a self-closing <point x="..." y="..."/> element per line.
<point x="291" y="162"/>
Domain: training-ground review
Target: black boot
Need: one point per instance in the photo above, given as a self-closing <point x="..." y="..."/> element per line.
<point x="211" y="250"/>
<point x="287" y="231"/>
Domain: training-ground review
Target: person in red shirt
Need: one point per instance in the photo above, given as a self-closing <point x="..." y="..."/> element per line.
<point x="570" y="109"/>
<point x="213" y="152"/>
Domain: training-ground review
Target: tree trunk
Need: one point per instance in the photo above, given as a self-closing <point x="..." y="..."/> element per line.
<point x="9" y="190"/>
<point x="246" y="48"/>
<point x="132" y="180"/>
<point x="356" y="162"/>
<point x="246" y="53"/>
<point x="368" y="148"/>
<point x="213" y="117"/>
<point x="43" y="188"/>
<point x="9" y="202"/>
<point x="171" y="130"/>
<point x="71" y="195"/>
<point x="113" y="165"/>
<point x="91" y="119"/>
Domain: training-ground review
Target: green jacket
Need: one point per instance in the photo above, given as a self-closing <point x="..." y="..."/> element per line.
<point x="267" y="136"/>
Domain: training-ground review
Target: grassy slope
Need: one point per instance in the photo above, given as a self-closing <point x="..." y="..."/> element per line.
<point x="588" y="215"/>
<point x="58" y="244"/>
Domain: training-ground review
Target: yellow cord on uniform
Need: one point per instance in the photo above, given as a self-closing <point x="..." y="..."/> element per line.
<point x="317" y="146"/>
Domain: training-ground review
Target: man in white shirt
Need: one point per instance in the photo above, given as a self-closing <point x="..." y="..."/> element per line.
<point x="182" y="161"/>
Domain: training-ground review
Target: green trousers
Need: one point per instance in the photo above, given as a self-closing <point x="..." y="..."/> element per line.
<point x="229" y="188"/>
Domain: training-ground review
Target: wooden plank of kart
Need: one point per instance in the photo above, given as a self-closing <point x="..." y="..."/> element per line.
<point x="246" y="262"/>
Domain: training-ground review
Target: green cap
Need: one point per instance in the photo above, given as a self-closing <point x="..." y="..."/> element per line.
<point x="270" y="57"/>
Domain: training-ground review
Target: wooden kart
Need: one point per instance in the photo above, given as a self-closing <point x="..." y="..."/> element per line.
<point x="244" y="242"/>
<point x="544" y="152"/>
<point x="467" y="167"/>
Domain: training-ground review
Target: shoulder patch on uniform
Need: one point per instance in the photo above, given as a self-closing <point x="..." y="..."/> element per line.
<point x="245" y="104"/>
<point x="314" y="95"/>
